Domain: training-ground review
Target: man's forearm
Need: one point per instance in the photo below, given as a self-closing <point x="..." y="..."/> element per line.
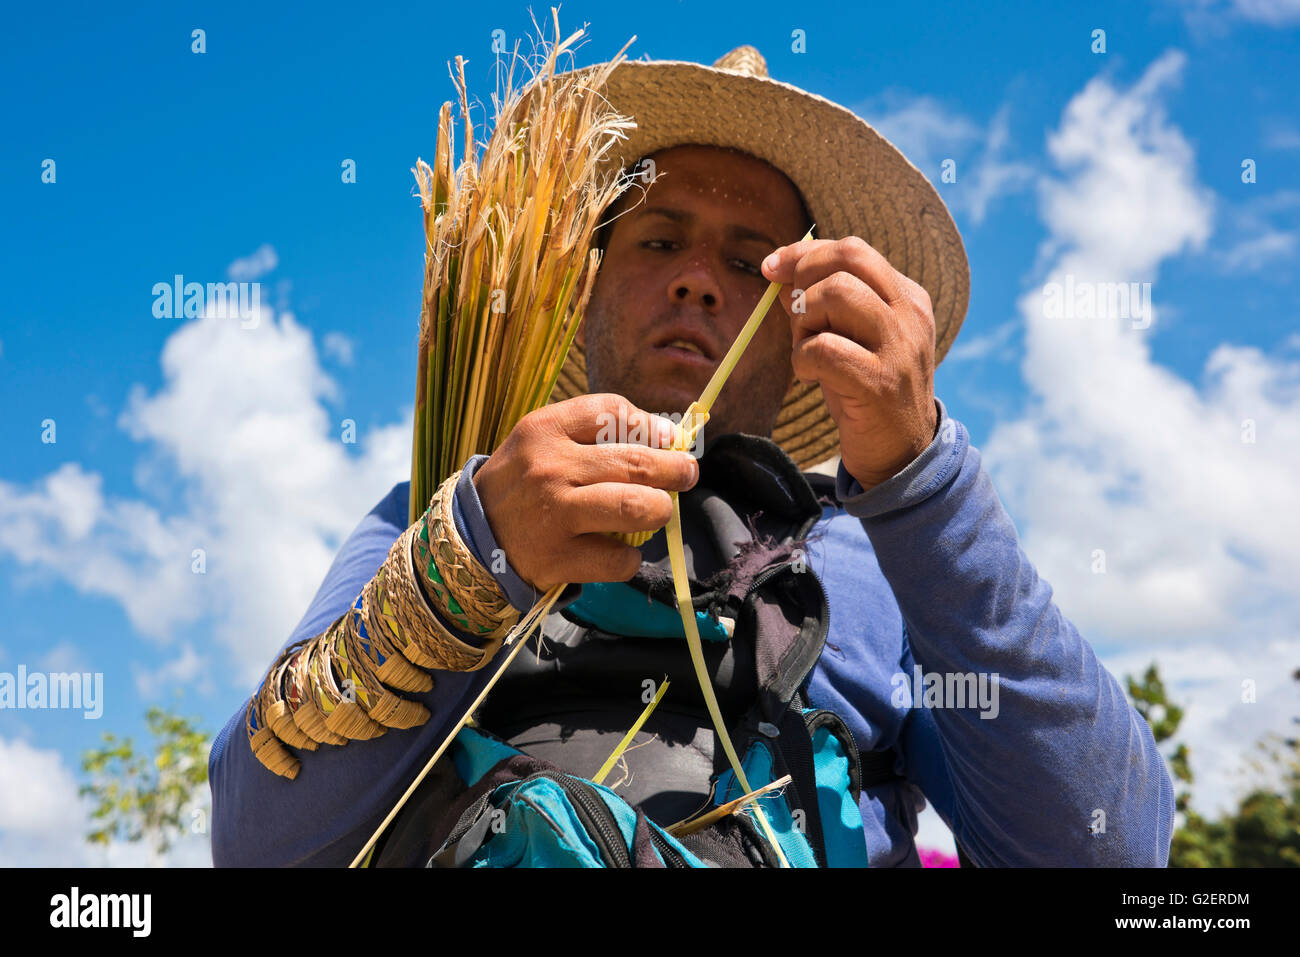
<point x="341" y="792"/>
<point x="1062" y="770"/>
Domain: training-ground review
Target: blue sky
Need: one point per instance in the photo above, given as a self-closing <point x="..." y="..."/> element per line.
<point x="1122" y="166"/>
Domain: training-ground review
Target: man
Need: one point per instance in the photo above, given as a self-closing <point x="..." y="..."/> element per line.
<point x="918" y="559"/>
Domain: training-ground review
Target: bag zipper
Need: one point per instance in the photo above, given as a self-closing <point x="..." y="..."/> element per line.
<point x="764" y="577"/>
<point x="595" y="816"/>
<point x="672" y="857"/>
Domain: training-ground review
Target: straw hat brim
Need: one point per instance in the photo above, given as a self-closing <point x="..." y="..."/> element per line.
<point x="854" y="183"/>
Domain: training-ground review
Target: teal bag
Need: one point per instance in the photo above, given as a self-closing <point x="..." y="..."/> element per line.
<point x="545" y="818"/>
<point x="517" y="811"/>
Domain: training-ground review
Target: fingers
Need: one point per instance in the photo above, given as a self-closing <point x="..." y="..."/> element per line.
<point x="617" y="507"/>
<point x="848" y="288"/>
<point x="634" y="465"/>
<point x="840" y="365"/>
<point x="573" y="471"/>
<point x="607" y="417"/>
<point x="593" y="558"/>
<point x="802" y="264"/>
<point x="843" y="304"/>
<point x="611" y="440"/>
<point x="840" y="286"/>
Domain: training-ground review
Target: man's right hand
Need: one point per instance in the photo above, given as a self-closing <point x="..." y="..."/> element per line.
<point x="553" y="489"/>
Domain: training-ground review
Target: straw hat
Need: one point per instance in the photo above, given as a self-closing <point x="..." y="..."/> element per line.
<point x="854" y="183"/>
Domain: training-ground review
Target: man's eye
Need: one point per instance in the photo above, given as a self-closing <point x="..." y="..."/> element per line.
<point x="668" y="245"/>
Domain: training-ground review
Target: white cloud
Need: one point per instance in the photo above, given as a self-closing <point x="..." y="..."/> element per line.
<point x="96" y="406"/>
<point x="339" y="347"/>
<point x="255" y="265"/>
<point x="187" y="669"/>
<point x="1264" y="231"/>
<point x="1129" y="199"/>
<point x="65" y="658"/>
<point x="44" y="820"/>
<point x="1272" y="13"/>
<point x="928" y="133"/>
<point x="920" y="126"/>
<point x="1258" y="252"/>
<point x="994" y="177"/>
<point x="36" y="790"/>
<point x="993" y="342"/>
<point x="126" y="550"/>
<point x="1116" y="453"/>
<point x="1281" y="135"/>
<point x="270" y="492"/>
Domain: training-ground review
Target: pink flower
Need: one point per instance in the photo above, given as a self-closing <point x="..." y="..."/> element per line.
<point x="932" y="858"/>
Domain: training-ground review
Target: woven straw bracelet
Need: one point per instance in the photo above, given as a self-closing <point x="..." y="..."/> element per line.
<point x="266" y="747"/>
<point x="378" y="613"/>
<point x="386" y="662"/>
<point x="359" y="707"/>
<point x="457" y="584"/>
<point x="382" y="705"/>
<point x="281" y="713"/>
<point x="300" y="703"/>
<point x="416" y="631"/>
<point x="269" y="723"/>
<point x="337" y="692"/>
<point x="305" y="696"/>
<point x="357" y="704"/>
<point x="272" y="712"/>
<point x="275" y="708"/>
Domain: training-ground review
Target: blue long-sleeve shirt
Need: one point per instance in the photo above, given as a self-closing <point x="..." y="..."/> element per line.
<point x="924" y="575"/>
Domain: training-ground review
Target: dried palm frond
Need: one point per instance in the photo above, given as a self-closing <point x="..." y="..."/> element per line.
<point x="509" y="263"/>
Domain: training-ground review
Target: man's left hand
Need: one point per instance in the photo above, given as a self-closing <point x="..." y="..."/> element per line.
<point x="865" y="333"/>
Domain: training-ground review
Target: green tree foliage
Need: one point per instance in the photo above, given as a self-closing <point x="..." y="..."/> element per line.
<point x="1264" y="831"/>
<point x="155" y="796"/>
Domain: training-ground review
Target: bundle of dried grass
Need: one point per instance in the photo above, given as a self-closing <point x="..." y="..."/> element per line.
<point x="509" y="263"/>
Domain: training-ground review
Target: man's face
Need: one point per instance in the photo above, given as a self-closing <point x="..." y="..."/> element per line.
<point x="678" y="279"/>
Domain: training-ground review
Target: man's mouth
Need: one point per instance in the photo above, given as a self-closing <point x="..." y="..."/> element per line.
<point x="684" y="344"/>
<point x="687" y="347"/>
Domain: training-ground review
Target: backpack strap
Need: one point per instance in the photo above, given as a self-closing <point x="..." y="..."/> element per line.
<point x="878" y="767"/>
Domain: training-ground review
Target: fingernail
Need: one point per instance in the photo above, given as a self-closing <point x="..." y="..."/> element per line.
<point x="664" y="430"/>
<point x="770" y="262"/>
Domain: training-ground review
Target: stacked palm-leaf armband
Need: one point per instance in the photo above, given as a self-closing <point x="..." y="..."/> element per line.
<point x="341" y="685"/>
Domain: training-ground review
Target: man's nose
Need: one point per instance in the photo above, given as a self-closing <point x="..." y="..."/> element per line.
<point x="698" y="285"/>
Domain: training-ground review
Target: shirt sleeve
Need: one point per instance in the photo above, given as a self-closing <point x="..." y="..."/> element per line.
<point x="341" y="793"/>
<point x="1055" y="767"/>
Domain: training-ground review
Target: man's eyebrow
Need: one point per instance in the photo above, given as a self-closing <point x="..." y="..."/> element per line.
<point x="685" y="217"/>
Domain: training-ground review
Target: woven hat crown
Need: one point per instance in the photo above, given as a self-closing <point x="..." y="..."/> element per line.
<point x="744" y="59"/>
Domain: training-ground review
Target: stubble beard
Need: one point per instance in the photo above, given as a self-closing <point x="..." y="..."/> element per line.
<point x="745" y="405"/>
